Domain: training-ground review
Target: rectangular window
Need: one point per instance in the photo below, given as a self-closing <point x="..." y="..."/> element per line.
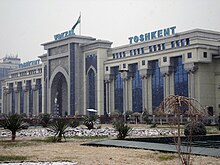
<point x="163" y="46"/>
<point x="159" y="47"/>
<point x="178" y="43"/>
<point x="155" y="47"/>
<point x="116" y="55"/>
<point x="113" y="55"/>
<point x="150" y="48"/>
<point x="182" y="42"/>
<point x="189" y="55"/>
<point x="172" y="44"/>
<point x="138" y="51"/>
<point x="134" y="51"/>
<point x="123" y="54"/>
<point x="124" y="65"/>
<point x="164" y="59"/>
<point x="205" y="54"/>
<point x="142" y="50"/>
<point x="143" y="62"/>
<point x="120" y="55"/>
<point x="187" y="41"/>
<point x="131" y="53"/>
<point x="106" y="68"/>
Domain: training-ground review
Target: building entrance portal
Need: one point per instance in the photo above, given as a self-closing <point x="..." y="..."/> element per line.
<point x="59" y="95"/>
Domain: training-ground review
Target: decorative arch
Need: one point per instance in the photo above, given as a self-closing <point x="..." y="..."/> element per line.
<point x="59" y="92"/>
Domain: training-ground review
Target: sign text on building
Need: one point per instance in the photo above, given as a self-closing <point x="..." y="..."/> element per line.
<point x="29" y="63"/>
<point x="153" y="35"/>
<point x="64" y="34"/>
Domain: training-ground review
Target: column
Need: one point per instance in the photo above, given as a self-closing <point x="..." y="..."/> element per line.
<point x="26" y="100"/>
<point x="166" y="71"/>
<point x="17" y="100"/>
<point x="124" y="76"/>
<point x="4" y="101"/>
<point x="145" y="74"/>
<point x="35" y="100"/>
<point x="191" y="69"/>
<point x="108" y="80"/>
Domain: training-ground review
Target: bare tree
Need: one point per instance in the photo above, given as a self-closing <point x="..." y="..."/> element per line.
<point x="177" y="106"/>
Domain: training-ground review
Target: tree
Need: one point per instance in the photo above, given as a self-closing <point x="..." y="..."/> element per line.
<point x="45" y="119"/>
<point x="14" y="123"/>
<point x="59" y="127"/>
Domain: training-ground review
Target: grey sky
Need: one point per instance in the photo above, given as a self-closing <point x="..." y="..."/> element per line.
<point x="26" y="24"/>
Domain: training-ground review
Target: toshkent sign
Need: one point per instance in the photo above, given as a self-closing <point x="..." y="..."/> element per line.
<point x="153" y="35"/>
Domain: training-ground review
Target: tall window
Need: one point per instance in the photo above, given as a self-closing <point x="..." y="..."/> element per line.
<point x="180" y="77"/>
<point x="157" y="84"/>
<point x="136" y="88"/>
<point x="91" y="76"/>
<point x="118" y="90"/>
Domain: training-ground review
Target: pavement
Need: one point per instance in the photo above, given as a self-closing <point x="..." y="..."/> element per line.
<point x="215" y="152"/>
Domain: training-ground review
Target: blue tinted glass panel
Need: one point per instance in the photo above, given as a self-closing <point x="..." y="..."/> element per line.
<point x="157" y="84"/>
<point x="91" y="76"/>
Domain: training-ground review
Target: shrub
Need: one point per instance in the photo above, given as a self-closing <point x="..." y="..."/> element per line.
<point x="59" y="127"/>
<point x="197" y="128"/>
<point x="74" y="123"/>
<point x="45" y="119"/>
<point x="122" y="129"/>
<point x="89" y="121"/>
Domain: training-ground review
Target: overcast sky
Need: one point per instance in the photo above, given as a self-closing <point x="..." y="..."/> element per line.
<point x="26" y="24"/>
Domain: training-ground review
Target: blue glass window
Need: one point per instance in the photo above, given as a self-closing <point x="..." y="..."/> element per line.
<point x="159" y="47"/>
<point x="124" y="54"/>
<point x="124" y="65"/>
<point x="155" y="47"/>
<point x="163" y="46"/>
<point x="187" y="41"/>
<point x="143" y="62"/>
<point x="182" y="42"/>
<point x="189" y="55"/>
<point x="136" y="88"/>
<point x="178" y="43"/>
<point x="172" y="44"/>
<point x="118" y="90"/>
<point x="142" y="50"/>
<point x="134" y="51"/>
<point x="138" y="51"/>
<point x="180" y="77"/>
<point x="91" y="77"/>
<point x="120" y="55"/>
<point x="157" y="84"/>
<point x="116" y="55"/>
<point x="150" y="48"/>
<point x="131" y="53"/>
<point x="72" y="79"/>
<point x="164" y="59"/>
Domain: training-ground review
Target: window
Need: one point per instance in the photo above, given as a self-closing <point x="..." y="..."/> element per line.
<point x="205" y="54"/>
<point x="182" y="42"/>
<point x="177" y="43"/>
<point x="116" y="55"/>
<point x="150" y="48"/>
<point x="164" y="59"/>
<point x="138" y="51"/>
<point x="106" y="68"/>
<point x="134" y="51"/>
<point x="113" y="55"/>
<point x="142" y="50"/>
<point x="155" y="47"/>
<point x="163" y="46"/>
<point x="131" y="53"/>
<point x="172" y="44"/>
<point x="187" y="41"/>
<point x="123" y="54"/>
<point x="120" y="55"/>
<point x="189" y="55"/>
<point x="143" y="62"/>
<point x="124" y="65"/>
<point x="159" y="47"/>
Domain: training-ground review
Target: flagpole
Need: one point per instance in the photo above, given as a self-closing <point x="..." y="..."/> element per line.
<point x="80" y="23"/>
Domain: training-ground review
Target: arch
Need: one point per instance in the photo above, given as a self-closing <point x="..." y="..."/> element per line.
<point x="59" y="92"/>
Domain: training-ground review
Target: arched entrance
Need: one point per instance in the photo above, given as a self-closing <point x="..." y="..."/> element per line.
<point x="59" y="95"/>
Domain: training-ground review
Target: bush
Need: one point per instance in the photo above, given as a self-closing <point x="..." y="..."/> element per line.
<point x="89" y="121"/>
<point x="122" y="129"/>
<point x="45" y="119"/>
<point x="198" y="128"/>
<point x="74" y="123"/>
